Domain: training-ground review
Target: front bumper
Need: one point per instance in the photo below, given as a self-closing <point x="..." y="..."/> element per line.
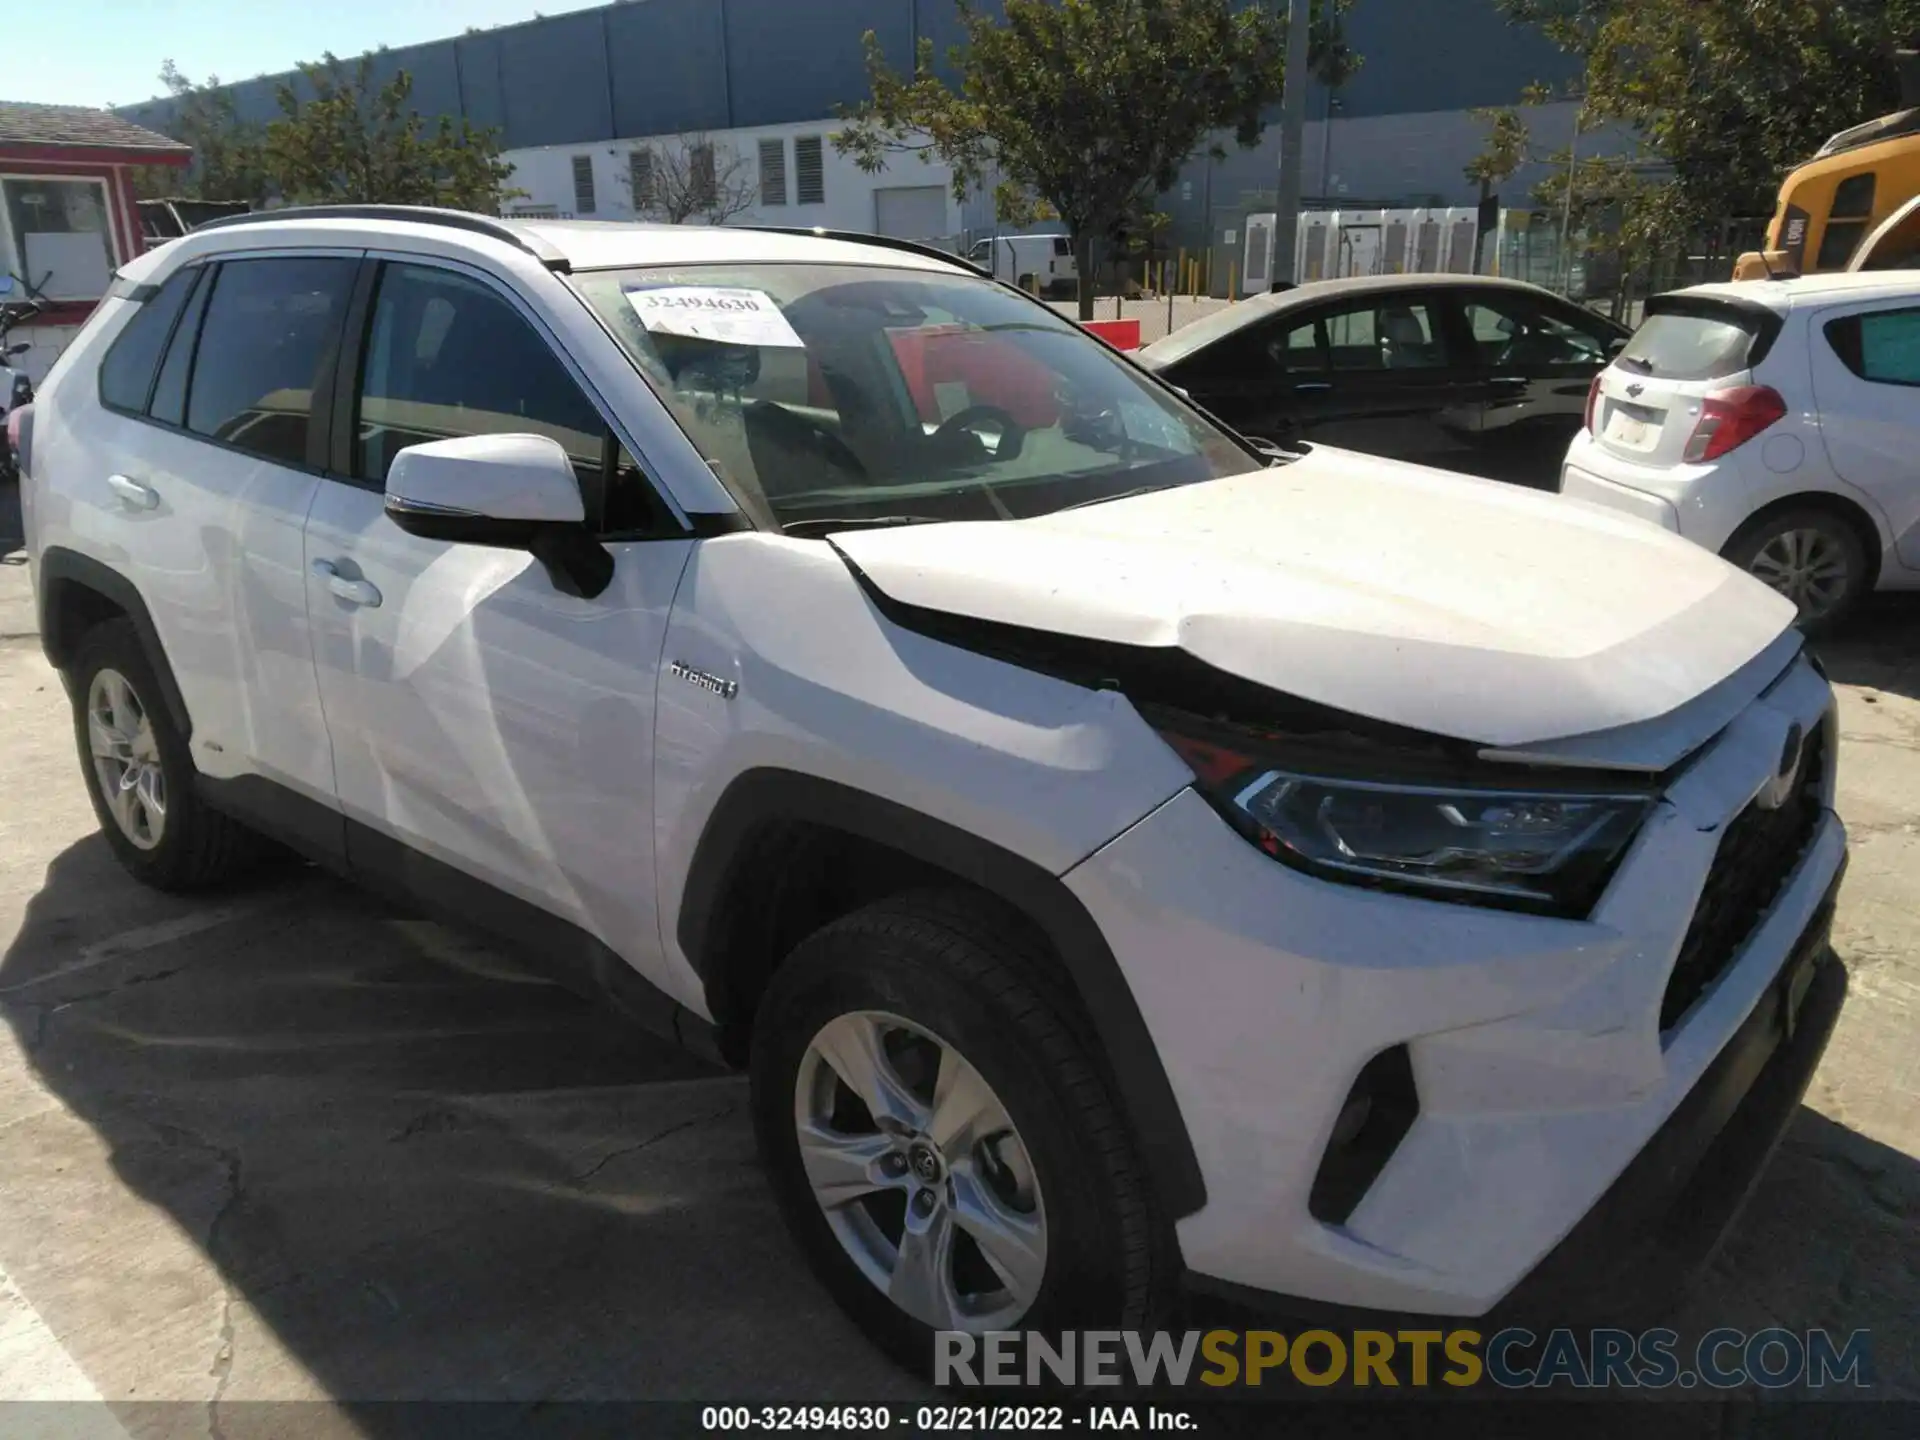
<point x="1660" y="1222"/>
<point x="1536" y="1044"/>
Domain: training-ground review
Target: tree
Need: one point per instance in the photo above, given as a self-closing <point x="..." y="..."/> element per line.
<point x="1730" y="94"/>
<point x="1089" y="107"/>
<point x="352" y="143"/>
<point x="690" y="178"/>
<point x="229" y="161"/>
<point x="1508" y="146"/>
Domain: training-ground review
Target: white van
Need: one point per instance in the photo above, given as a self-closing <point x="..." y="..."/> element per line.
<point x="1039" y="264"/>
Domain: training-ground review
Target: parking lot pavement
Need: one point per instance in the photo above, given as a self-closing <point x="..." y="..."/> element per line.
<point x="287" y="1144"/>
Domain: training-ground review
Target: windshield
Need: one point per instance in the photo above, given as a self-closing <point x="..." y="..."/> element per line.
<point x="870" y="395"/>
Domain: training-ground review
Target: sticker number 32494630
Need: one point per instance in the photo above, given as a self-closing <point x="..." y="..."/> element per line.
<point x="730" y="316"/>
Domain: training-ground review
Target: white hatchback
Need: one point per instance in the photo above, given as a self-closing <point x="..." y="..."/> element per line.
<point x="1777" y="423"/>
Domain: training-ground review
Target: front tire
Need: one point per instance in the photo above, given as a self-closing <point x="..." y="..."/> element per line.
<point x="1813" y="557"/>
<point x="939" y="1142"/>
<point x="139" y="774"/>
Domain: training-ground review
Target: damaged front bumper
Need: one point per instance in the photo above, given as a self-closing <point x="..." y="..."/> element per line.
<point x="1542" y="1064"/>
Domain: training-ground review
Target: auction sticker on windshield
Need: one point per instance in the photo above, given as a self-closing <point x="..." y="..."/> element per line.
<point x="710" y="312"/>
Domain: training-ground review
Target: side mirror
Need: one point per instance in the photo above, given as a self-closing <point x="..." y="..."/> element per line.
<point x="513" y="492"/>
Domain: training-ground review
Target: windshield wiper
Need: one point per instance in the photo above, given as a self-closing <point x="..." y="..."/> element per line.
<point x="1122" y="495"/>
<point x="810" y="528"/>
<point x="1636" y="362"/>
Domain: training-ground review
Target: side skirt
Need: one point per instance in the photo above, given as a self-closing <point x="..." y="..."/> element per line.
<point x="399" y="873"/>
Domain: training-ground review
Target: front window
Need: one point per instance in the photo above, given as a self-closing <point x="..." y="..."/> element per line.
<point x="1513" y="333"/>
<point x="840" y="393"/>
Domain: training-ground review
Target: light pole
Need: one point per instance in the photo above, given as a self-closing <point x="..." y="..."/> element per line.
<point x="1326" y="147"/>
<point x="1293" y="125"/>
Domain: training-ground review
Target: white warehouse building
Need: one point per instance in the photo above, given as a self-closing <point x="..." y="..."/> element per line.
<point x="761" y="175"/>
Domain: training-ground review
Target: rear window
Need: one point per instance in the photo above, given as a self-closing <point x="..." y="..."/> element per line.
<point x="126" y="375"/>
<point x="1692" y="345"/>
<point x="1883" y="348"/>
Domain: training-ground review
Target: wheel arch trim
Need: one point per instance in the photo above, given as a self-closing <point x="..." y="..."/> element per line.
<point x="761" y="796"/>
<point x="1867" y="526"/>
<point x="61" y="572"/>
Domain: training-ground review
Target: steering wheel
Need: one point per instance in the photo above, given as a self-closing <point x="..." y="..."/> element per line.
<point x="803" y="434"/>
<point x="970" y="421"/>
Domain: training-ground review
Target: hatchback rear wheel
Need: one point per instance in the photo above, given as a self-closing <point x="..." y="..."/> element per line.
<point x="1813" y="557"/>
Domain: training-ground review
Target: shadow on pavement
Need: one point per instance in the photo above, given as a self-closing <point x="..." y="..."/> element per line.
<point x="1880" y="646"/>
<point x="1828" y="1241"/>
<point x="431" y="1175"/>
<point x="426" y="1171"/>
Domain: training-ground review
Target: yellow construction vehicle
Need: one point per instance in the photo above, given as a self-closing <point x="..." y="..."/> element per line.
<point x="1856" y="204"/>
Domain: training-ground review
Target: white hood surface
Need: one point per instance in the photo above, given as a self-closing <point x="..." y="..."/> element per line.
<point x="1455" y="606"/>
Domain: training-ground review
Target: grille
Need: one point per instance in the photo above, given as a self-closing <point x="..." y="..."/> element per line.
<point x="1756" y="854"/>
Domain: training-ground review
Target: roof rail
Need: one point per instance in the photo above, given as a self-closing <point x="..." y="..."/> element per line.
<point x="861" y="237"/>
<point x="419" y="214"/>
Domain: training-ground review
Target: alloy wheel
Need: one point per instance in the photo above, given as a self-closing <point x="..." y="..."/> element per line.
<point x="920" y="1172"/>
<point x="1807" y="566"/>
<point x="126" y="758"/>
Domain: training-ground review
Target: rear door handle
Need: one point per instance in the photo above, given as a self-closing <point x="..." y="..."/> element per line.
<point x="1313" y="387"/>
<point x="354" y="592"/>
<point x="132" y="494"/>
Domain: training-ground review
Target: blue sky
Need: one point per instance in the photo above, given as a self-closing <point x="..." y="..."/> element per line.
<point x="108" y="52"/>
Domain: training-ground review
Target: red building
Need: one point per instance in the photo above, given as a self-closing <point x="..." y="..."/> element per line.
<point x="67" y="214"/>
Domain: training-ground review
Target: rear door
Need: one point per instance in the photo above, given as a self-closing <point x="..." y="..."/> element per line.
<point x="210" y="465"/>
<point x="1688" y="347"/>
<point x="1536" y="357"/>
<point x="1395" y="381"/>
<point x="1866" y="382"/>
<point x="1268" y="379"/>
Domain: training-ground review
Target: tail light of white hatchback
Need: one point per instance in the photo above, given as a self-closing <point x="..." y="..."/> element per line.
<point x="1730" y="418"/>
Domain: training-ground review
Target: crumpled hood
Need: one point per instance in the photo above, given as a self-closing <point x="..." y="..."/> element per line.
<point x="1456" y="606"/>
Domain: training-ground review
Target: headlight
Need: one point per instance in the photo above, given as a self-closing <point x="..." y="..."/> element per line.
<point x="1547" y="850"/>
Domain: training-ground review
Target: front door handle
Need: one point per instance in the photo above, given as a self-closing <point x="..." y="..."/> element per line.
<point x="132" y="494"/>
<point x="1520" y="380"/>
<point x="354" y="592"/>
<point x="1313" y="387"/>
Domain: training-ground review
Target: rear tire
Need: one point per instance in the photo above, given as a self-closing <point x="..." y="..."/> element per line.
<point x="1813" y="557"/>
<point x="938" y="985"/>
<point x="139" y="774"/>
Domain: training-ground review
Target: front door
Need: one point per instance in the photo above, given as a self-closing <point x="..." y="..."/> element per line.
<point x="1537" y="358"/>
<point x="480" y="716"/>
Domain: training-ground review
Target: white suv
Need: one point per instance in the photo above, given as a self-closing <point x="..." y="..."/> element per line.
<point x="1125" y="861"/>
<point x="1775" y="422"/>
